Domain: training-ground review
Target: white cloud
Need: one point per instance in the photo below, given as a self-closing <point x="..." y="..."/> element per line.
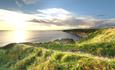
<point x="11" y="15"/>
<point x="13" y="20"/>
<point x="55" y="13"/>
<point x="29" y="1"/>
<point x="59" y="17"/>
<point x="18" y="3"/>
<point x="55" y="18"/>
<point x="21" y="3"/>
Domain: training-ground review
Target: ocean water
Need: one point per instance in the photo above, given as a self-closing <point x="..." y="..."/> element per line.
<point x="18" y="36"/>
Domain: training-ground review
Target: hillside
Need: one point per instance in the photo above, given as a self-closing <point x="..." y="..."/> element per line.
<point x="95" y="52"/>
<point x="100" y="42"/>
<point x="81" y="32"/>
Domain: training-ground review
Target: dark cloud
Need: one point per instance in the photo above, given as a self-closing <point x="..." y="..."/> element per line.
<point x="78" y="22"/>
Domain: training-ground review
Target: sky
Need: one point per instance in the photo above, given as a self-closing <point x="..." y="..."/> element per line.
<point x="56" y="14"/>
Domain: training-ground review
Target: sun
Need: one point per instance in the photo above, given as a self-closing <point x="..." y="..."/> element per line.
<point x="17" y="20"/>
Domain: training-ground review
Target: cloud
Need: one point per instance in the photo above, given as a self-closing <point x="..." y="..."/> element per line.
<point x="21" y="3"/>
<point x="55" y="13"/>
<point x="62" y="17"/>
<point x="18" y="3"/>
<point x="50" y="19"/>
<point x="15" y="20"/>
<point x="11" y="15"/>
<point x="29" y="1"/>
<point x="105" y="23"/>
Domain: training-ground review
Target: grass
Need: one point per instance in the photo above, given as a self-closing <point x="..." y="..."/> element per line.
<point x="96" y="52"/>
<point x="101" y="43"/>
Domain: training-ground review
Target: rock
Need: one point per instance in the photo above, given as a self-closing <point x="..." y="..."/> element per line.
<point x="9" y="45"/>
<point x="64" y="41"/>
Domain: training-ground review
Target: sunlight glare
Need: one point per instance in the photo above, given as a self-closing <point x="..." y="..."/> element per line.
<point x="19" y="36"/>
<point x="17" y="20"/>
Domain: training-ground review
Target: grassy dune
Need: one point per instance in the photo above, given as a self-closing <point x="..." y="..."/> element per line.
<point x="96" y="52"/>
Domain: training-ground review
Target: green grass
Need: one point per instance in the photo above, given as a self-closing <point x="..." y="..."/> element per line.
<point x="101" y="42"/>
<point x="96" y="52"/>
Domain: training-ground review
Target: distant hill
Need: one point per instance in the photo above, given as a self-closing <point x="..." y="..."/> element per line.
<point x="81" y="32"/>
<point x="94" y="52"/>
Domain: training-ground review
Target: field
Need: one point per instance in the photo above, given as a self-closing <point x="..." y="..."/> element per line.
<point x="95" y="52"/>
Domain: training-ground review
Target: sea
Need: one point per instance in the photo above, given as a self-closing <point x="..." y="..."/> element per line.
<point x="19" y="36"/>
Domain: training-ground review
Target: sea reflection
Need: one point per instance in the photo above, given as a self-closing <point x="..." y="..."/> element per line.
<point x="18" y="36"/>
<point x="13" y="36"/>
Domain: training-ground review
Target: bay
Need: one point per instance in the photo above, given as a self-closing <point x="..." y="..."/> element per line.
<point x="19" y="36"/>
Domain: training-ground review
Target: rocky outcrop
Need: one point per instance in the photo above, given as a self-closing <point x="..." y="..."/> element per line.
<point x="64" y="41"/>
